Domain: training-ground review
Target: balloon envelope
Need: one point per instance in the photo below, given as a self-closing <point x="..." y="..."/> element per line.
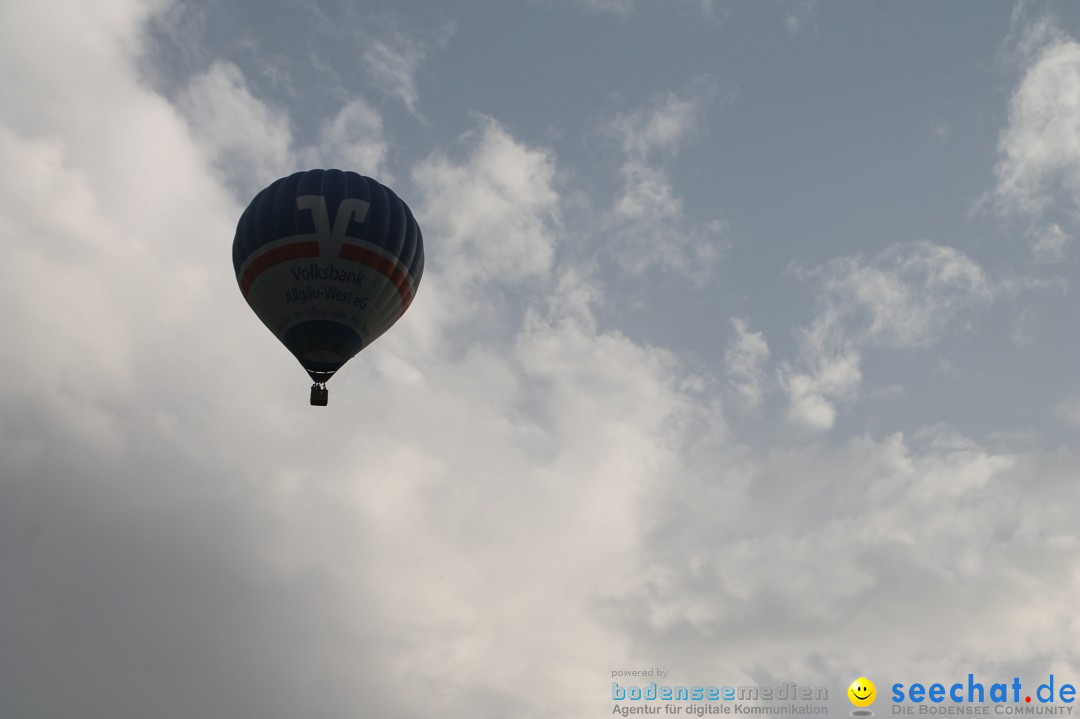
<point x="328" y="260"/>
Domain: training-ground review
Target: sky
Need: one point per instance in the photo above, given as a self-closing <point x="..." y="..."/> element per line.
<point x="746" y="349"/>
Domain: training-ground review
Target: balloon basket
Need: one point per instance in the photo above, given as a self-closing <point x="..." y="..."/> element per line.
<point x="319" y="395"/>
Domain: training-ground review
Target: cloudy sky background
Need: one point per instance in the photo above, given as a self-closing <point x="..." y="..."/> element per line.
<point x="746" y="348"/>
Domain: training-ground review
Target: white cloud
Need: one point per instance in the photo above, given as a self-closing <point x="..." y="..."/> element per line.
<point x="1068" y="411"/>
<point x="1040" y="148"/>
<point x="832" y="375"/>
<point x="252" y="143"/>
<point x="496" y="213"/>
<point x="354" y="139"/>
<point x="907" y="297"/>
<point x="244" y="137"/>
<point x="647" y="226"/>
<point x="825" y="553"/>
<point x="41" y="243"/>
<point x="743" y="359"/>
<point x="666" y="123"/>
<point x="394" y="57"/>
<point x="799" y="14"/>
<point x="647" y="193"/>
<point x="1049" y="244"/>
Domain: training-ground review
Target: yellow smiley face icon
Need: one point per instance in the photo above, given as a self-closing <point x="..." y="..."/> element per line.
<point x="862" y="692"/>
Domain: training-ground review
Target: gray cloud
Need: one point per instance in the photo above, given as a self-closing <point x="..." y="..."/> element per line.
<point x="510" y="494"/>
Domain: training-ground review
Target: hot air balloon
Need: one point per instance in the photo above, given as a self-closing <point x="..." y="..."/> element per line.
<point x="328" y="260"/>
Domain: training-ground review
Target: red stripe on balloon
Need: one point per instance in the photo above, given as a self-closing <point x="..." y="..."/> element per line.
<point x="301" y="250"/>
<point x="296" y="251"/>
<point x="384" y="267"/>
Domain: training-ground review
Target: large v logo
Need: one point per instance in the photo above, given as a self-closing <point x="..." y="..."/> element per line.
<point x="330" y="238"/>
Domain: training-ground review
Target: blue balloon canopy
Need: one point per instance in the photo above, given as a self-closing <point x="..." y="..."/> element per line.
<point x="328" y="260"/>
